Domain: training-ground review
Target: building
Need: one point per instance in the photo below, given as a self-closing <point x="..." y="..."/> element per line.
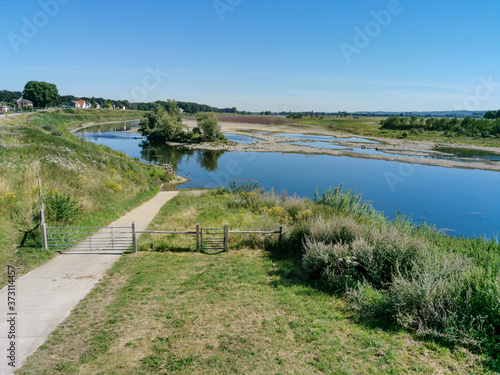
<point x="23" y="103"/>
<point x="3" y="109"/>
<point x="80" y="104"/>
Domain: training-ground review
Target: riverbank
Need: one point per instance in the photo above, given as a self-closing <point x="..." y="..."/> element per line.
<point x="77" y="128"/>
<point x="262" y="308"/>
<point x="415" y="152"/>
<point x="83" y="184"/>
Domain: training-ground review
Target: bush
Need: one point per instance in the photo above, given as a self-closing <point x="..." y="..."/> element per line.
<point x="62" y="208"/>
<point x="335" y="230"/>
<point x="346" y="203"/>
<point x="243" y="188"/>
<point x="317" y="256"/>
<point x="391" y="271"/>
<point x="209" y="125"/>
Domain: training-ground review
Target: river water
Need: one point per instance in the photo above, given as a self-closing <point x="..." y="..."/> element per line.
<point x="458" y="201"/>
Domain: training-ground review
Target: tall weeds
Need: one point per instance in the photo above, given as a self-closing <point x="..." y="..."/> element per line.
<point x="441" y="287"/>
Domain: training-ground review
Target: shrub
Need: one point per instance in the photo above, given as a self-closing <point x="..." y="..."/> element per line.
<point x="317" y="257"/>
<point x="62" y="208"/>
<point x="346" y="203"/>
<point x="243" y="188"/>
<point x="368" y="301"/>
<point x="335" y="230"/>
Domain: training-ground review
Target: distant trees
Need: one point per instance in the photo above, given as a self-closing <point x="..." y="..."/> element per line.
<point x="209" y="125"/>
<point x="491" y="115"/>
<point x="295" y="116"/>
<point x="189" y="107"/>
<point x="42" y="94"/>
<point x="469" y="127"/>
<point x="9" y="96"/>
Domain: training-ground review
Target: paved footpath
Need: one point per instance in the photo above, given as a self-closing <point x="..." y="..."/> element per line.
<point x="45" y="296"/>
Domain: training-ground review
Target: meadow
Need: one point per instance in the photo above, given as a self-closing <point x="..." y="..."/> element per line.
<point x="348" y="292"/>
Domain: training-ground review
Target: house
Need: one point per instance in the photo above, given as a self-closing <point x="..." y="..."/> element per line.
<point x="80" y="104"/>
<point x="3" y="109"/>
<point x="97" y="105"/>
<point x="23" y="103"/>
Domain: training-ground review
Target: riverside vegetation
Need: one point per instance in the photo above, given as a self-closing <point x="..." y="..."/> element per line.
<point x="473" y="131"/>
<point x="84" y="184"/>
<point x="339" y="296"/>
<point x="162" y="125"/>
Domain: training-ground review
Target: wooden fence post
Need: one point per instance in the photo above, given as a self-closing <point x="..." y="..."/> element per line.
<point x="134" y="237"/>
<point x="43" y="228"/>
<point x="226" y="238"/>
<point x="198" y="245"/>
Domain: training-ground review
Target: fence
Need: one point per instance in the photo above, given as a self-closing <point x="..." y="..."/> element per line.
<point x="93" y="239"/>
<point x="214" y="238"/>
<point x="88" y="239"/>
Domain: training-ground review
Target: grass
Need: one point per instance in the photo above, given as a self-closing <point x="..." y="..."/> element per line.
<point x="106" y="183"/>
<point x="367" y="127"/>
<point x="370" y="127"/>
<point x="170" y="310"/>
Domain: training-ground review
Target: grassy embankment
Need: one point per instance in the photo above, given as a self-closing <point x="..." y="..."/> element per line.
<point x="338" y="298"/>
<point x="84" y="184"/>
<point x="368" y="127"/>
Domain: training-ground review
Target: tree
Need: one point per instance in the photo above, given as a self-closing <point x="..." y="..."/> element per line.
<point x="490" y="115"/>
<point x="160" y="125"/>
<point x="209" y="125"/>
<point x="42" y="94"/>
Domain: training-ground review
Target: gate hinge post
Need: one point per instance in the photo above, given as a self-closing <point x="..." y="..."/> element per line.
<point x="134" y="237"/>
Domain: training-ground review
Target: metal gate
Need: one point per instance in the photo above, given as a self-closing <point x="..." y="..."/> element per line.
<point x="90" y="239"/>
<point x="213" y="239"/>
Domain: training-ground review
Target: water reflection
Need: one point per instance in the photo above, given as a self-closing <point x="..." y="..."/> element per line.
<point x="470" y="153"/>
<point x="209" y="159"/>
<point x="161" y="153"/>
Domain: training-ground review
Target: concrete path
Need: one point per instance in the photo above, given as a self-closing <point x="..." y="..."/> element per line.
<point x="45" y="296"/>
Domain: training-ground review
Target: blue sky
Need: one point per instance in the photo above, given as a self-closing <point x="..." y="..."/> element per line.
<point x="396" y="55"/>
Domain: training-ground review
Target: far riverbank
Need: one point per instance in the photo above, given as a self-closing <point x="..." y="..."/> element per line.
<point x="414" y="152"/>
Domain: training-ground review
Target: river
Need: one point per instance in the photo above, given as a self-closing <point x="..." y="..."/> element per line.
<point x="457" y="201"/>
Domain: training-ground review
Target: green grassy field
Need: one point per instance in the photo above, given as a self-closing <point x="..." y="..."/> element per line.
<point x="85" y="184"/>
<point x="254" y="310"/>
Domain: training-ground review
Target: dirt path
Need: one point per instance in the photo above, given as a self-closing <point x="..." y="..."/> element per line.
<point x="45" y="296"/>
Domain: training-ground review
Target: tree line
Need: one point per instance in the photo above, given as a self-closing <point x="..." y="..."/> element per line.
<point x="44" y="94"/>
<point x="491" y="115"/>
<point x="469" y="127"/>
